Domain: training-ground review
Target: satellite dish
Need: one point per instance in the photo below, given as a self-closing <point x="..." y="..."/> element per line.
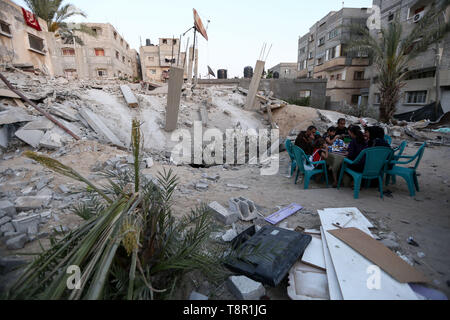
<point x="199" y="25"/>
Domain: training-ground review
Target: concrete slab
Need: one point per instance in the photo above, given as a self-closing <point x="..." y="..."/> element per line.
<point x="42" y="123"/>
<point x="14" y="116"/>
<point x="173" y="98"/>
<point x="129" y="96"/>
<point x="4" y="137"/>
<point x="245" y="288"/>
<point x="64" y="112"/>
<point x="26" y="223"/>
<point x="254" y="85"/>
<point x="17" y="242"/>
<point x="31" y="203"/>
<point x="51" y="139"/>
<point x="98" y="126"/>
<point x="31" y="137"/>
<point x="222" y="214"/>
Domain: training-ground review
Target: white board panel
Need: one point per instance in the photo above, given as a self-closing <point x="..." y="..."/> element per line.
<point x="333" y="284"/>
<point x="313" y="254"/>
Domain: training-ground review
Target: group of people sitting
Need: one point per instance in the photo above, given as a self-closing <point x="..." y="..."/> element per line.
<point x="316" y="145"/>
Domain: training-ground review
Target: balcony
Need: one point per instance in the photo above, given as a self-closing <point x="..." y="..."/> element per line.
<point x="339" y="63"/>
<point x="348" y="84"/>
<point x="302" y="73"/>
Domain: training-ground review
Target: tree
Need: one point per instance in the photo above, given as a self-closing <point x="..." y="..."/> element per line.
<point x="391" y="51"/>
<point x="55" y="13"/>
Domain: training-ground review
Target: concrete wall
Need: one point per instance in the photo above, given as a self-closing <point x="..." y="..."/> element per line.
<point x="15" y="47"/>
<point x="285" y="70"/>
<point x="284" y="89"/>
<point x="87" y="63"/>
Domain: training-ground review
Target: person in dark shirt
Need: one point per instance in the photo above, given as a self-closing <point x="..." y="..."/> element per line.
<point x="358" y="145"/>
<point x="305" y="140"/>
<point x="375" y="137"/>
<point x="330" y="137"/>
<point x="341" y="128"/>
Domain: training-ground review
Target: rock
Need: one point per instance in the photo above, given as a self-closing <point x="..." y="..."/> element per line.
<point x="14" y="115"/>
<point x="31" y="203"/>
<point x="391" y="244"/>
<point x="197" y="296"/>
<point x="24" y="224"/>
<point x="245" y="208"/>
<point x="8" y="264"/>
<point x="99" y="127"/>
<point x="17" y="243"/>
<point x="421" y="255"/>
<point x="222" y="214"/>
<point x="31" y="137"/>
<point x="51" y="140"/>
<point x="7" y="227"/>
<point x="245" y="288"/>
<point x="229" y="235"/>
<point x="64" y="189"/>
<point x="64" y="112"/>
<point x="45" y="215"/>
<point x="8" y="208"/>
<point x="201" y="186"/>
<point x="10" y="234"/>
<point x="40" y="124"/>
<point x="237" y="186"/>
<point x="149" y="162"/>
<point x="4" y="220"/>
<point x="45" y="192"/>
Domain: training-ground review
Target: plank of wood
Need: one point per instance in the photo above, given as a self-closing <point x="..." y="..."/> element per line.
<point x="8" y="94"/>
<point x="129" y="96"/>
<point x="376" y="252"/>
<point x="333" y="284"/>
<point x="352" y="271"/>
<point x="19" y="102"/>
<point x="313" y="254"/>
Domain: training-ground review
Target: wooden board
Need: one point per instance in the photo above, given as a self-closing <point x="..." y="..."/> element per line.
<point x="352" y="270"/>
<point x="380" y="255"/>
<point x="333" y="284"/>
<point x="8" y="94"/>
<point x="313" y="254"/>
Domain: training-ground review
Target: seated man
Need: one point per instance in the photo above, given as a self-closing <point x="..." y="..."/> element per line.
<point x="342" y="130"/>
<point x="305" y="140"/>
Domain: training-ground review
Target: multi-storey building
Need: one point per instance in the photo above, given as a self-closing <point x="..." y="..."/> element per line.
<point x="103" y="55"/>
<point x="156" y="60"/>
<point x="420" y="84"/>
<point x="285" y="70"/>
<point x="21" y="43"/>
<point x="322" y="54"/>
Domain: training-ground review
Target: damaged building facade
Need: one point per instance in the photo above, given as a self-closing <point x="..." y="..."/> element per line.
<point x="322" y="54"/>
<point x="420" y="84"/>
<point x="22" y="44"/>
<point x="156" y="60"/>
<point x="285" y="70"/>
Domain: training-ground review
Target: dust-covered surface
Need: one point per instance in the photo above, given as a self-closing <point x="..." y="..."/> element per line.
<point x="424" y="217"/>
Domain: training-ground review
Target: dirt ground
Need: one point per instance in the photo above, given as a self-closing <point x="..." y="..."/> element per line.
<point x="424" y="217"/>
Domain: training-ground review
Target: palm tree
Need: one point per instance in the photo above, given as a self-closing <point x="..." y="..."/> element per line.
<point x="55" y="13"/>
<point x="391" y="51"/>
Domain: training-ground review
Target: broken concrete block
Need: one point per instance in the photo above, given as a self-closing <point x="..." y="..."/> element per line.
<point x="8" y="235"/>
<point x="40" y="124"/>
<point x="17" y="242"/>
<point x="14" y="116"/>
<point x="7" y="207"/>
<point x="197" y="296"/>
<point x="201" y="186"/>
<point x="149" y="162"/>
<point x="64" y="189"/>
<point x="7" y="227"/>
<point x="4" y="137"/>
<point x="98" y="126"/>
<point x="8" y="264"/>
<point x="245" y="208"/>
<point x="4" y="220"/>
<point x="64" y="112"/>
<point x="45" y="192"/>
<point x="51" y="140"/>
<point x="222" y="214"/>
<point x="24" y="224"/>
<point x="245" y="288"/>
<point x="129" y="96"/>
<point x="31" y="203"/>
<point x="229" y="235"/>
<point x="31" y="137"/>
<point x="237" y="186"/>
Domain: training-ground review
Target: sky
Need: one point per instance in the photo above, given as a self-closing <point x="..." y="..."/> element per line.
<point x="237" y="29"/>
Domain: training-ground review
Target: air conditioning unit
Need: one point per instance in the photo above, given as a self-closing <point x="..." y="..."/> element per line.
<point x="418" y="17"/>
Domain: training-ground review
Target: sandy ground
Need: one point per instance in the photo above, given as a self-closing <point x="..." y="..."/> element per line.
<point x="425" y="217"/>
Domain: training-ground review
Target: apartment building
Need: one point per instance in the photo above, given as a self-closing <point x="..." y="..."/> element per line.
<point x="420" y="88"/>
<point x="156" y="60"/>
<point x="285" y="70"/>
<point x="103" y="55"/>
<point x="322" y="54"/>
<point x="21" y="43"/>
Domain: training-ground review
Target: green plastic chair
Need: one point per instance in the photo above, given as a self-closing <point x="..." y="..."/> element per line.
<point x="376" y="160"/>
<point x="409" y="174"/>
<point x="301" y="159"/>
<point x="398" y="152"/>
<point x="388" y="139"/>
<point x="290" y="151"/>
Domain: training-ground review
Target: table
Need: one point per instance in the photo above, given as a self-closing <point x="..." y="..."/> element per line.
<point x="334" y="162"/>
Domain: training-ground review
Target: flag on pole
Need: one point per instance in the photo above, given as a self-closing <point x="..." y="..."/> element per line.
<point x="31" y="19"/>
<point x="211" y="72"/>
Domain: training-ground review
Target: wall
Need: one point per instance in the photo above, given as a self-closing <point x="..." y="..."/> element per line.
<point x="284" y="89"/>
<point x="18" y="42"/>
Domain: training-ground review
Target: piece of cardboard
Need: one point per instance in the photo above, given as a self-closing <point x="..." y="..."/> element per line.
<point x="380" y="255"/>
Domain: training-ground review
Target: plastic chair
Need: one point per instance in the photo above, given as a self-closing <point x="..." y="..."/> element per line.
<point x="376" y="160"/>
<point x="398" y="152"/>
<point x="290" y="151"/>
<point x="301" y="158"/>
<point x="409" y="174"/>
<point x="388" y="139"/>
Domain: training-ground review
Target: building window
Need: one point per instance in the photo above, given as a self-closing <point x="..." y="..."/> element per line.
<point x="36" y="43"/>
<point x="117" y="55"/>
<point x="102" y="73"/>
<point x="332" y="77"/>
<point x="170" y="60"/>
<point x="302" y="50"/>
<point x="151" y="59"/>
<point x="128" y="47"/>
<point x="152" y="71"/>
<point x="121" y="42"/>
<point x="174" y="42"/>
<point x="332" y="53"/>
<point x="321" y="41"/>
<point x="355" y="98"/>
<point x="99" y="52"/>
<point x="310" y="74"/>
<point x="310" y="56"/>
<point x="421" y="74"/>
<point x="359" y="75"/>
<point x="333" y="34"/>
<point x="115" y="35"/>
<point x="320" y="61"/>
<point x="123" y="59"/>
<point x="391" y="17"/>
<point x="377" y="98"/>
<point x="339" y="76"/>
<point x="97" y="31"/>
<point x="302" y="65"/>
<point x="71" y="73"/>
<point x="68" y="51"/>
<point x="419" y="97"/>
<point x="5" y="29"/>
<point x="305" y="93"/>
<point x="164" y="41"/>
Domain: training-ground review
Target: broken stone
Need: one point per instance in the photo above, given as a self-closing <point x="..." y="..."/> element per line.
<point x="51" y="140"/>
<point x="10" y="234"/>
<point x="245" y="208"/>
<point x="197" y="296"/>
<point x="40" y="124"/>
<point x="237" y="186"/>
<point x="17" y="243"/>
<point x="45" y="192"/>
<point x="64" y="112"/>
<point x="4" y="220"/>
<point x="31" y="203"/>
<point x="229" y="235"/>
<point x="201" y="186"/>
<point x="8" y="208"/>
<point x="97" y="124"/>
<point x="14" y="116"/>
<point x="7" y="227"/>
<point x="244" y="288"/>
<point x="4" y="137"/>
<point x="46" y="215"/>
<point x="31" y="137"/>
<point x="27" y="191"/>
<point x="149" y="162"/>
<point x="391" y="244"/>
<point x="222" y="214"/>
<point x="64" y="189"/>
<point x="24" y="224"/>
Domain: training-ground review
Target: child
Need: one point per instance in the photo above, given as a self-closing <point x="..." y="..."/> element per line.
<point x="331" y="137"/>
<point x="320" y="150"/>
